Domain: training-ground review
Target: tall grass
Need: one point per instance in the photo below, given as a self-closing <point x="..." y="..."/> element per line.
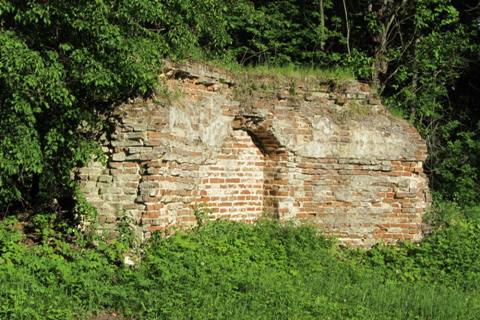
<point x="300" y="72"/>
<point x="225" y="270"/>
<point x="285" y="72"/>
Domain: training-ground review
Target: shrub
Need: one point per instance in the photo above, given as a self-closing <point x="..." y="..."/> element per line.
<point x="232" y="270"/>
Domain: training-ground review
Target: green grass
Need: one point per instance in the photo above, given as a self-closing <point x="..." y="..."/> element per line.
<point x="300" y="73"/>
<point x="225" y="270"/>
<point x="290" y="72"/>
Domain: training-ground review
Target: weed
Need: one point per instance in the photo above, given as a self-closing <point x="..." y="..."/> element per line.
<point x="202" y="213"/>
<point x="222" y="269"/>
<point x="166" y="96"/>
<point x="288" y="72"/>
<point x="86" y="216"/>
<point x="353" y="111"/>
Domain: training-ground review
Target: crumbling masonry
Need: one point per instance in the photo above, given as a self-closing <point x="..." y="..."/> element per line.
<point x="242" y="147"/>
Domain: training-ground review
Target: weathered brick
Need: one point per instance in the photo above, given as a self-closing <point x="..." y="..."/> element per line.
<point x="360" y="180"/>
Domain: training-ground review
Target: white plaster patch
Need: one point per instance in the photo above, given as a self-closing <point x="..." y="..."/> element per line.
<point x="322" y="126"/>
<point x="214" y="134"/>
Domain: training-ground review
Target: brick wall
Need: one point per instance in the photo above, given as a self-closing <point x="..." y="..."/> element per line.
<point x="327" y="154"/>
<point x="233" y="186"/>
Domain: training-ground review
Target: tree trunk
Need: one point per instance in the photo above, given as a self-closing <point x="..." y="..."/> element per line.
<point x="322" y="26"/>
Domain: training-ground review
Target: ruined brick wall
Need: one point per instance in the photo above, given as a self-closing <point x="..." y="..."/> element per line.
<point x="239" y="148"/>
<point x="233" y="186"/>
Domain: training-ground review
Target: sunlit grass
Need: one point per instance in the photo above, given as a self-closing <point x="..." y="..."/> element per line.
<point x="226" y="270"/>
<point x="301" y="72"/>
<point x="285" y="72"/>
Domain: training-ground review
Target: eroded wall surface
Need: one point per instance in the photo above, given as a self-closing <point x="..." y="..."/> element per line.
<point x="240" y="147"/>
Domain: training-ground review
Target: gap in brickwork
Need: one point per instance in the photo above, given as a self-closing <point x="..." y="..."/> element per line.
<point x="233" y="186"/>
<point x="274" y="169"/>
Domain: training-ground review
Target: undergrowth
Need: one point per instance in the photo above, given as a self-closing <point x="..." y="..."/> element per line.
<point x="300" y="72"/>
<point x="284" y="71"/>
<point x="224" y="270"/>
<point x="269" y="80"/>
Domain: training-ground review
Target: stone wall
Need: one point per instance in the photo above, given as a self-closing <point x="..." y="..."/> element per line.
<point x="239" y="147"/>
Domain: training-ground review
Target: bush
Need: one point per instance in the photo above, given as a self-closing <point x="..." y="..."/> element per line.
<point x="63" y="65"/>
<point x="450" y="254"/>
<point x="232" y="270"/>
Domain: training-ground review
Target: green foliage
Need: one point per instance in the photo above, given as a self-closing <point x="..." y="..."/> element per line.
<point x="62" y="65"/>
<point x="422" y="80"/>
<point x="298" y="73"/>
<point x="280" y="32"/>
<point x="422" y="56"/>
<point x="201" y="214"/>
<point x="232" y="270"/>
<point x="50" y="280"/>
<point x="448" y="255"/>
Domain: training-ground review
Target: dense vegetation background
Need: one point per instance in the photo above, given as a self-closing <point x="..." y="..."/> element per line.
<point x="64" y="64"/>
